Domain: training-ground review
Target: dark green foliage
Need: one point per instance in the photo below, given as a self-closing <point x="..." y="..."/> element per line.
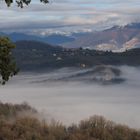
<point x="31" y="128"/>
<point x="7" y="65"/>
<point x="21" y="3"/>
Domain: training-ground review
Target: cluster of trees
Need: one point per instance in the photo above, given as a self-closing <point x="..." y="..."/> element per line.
<point x="21" y="3"/>
<point x="7" y="64"/>
<point x="31" y="128"/>
<point x="8" y="110"/>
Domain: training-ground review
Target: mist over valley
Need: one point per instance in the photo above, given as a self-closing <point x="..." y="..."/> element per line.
<point x="72" y="94"/>
<point x="69" y="70"/>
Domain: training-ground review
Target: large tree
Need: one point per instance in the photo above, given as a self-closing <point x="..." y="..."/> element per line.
<point x="7" y="64"/>
<point x="21" y="3"/>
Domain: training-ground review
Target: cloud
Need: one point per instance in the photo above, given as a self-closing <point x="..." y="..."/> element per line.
<point x="69" y="15"/>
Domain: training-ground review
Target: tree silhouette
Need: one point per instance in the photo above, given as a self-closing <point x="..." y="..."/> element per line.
<point x="21" y="3"/>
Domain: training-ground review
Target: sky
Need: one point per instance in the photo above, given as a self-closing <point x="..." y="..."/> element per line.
<point x="66" y="16"/>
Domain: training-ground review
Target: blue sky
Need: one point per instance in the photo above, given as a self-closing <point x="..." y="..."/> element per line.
<point x="67" y="16"/>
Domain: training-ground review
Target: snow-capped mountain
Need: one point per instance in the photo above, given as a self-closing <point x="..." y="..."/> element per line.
<point x="116" y="38"/>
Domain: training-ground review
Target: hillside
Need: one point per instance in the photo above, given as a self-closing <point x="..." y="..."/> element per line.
<point x="33" y="55"/>
<point x="115" y="38"/>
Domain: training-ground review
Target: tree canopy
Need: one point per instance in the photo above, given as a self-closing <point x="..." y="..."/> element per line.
<point x="21" y="3"/>
<point x="7" y="64"/>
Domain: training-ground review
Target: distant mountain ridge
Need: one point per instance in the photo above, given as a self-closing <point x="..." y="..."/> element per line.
<point x="54" y="39"/>
<point x="117" y="38"/>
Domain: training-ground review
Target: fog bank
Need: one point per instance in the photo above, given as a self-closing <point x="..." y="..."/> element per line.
<point x="67" y="94"/>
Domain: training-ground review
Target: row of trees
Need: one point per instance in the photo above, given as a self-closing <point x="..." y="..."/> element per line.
<point x="14" y="126"/>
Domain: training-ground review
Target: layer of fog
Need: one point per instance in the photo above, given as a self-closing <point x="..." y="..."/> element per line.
<point x="73" y="100"/>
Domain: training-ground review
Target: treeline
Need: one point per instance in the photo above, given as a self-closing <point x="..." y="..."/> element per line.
<point x="31" y="128"/>
<point x="33" y="55"/>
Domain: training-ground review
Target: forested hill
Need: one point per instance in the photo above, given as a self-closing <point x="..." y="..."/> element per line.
<point x="33" y="55"/>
